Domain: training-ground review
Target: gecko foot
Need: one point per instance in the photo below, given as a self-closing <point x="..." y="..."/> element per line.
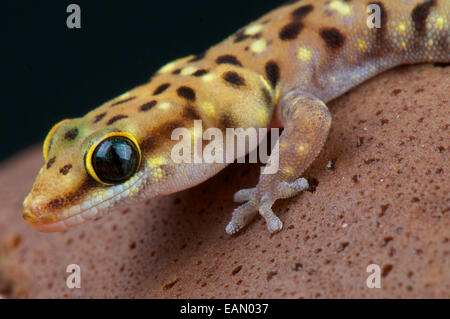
<point x="243" y="214"/>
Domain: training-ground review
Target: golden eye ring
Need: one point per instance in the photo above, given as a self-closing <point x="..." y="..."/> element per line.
<point x="48" y="138"/>
<point x="113" y="159"/>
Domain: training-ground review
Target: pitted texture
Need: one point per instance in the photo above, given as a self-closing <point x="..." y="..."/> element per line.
<point x="378" y="194"/>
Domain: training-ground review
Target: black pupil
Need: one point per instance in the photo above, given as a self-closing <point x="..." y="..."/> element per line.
<point x="115" y="160"/>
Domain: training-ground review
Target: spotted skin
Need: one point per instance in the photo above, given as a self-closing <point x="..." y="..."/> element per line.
<point x="280" y="70"/>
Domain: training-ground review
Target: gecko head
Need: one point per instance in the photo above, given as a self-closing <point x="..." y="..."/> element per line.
<point x="92" y="166"/>
<point x="84" y="169"/>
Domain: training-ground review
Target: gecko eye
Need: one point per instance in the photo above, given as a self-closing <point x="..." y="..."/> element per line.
<point x="114" y="159"/>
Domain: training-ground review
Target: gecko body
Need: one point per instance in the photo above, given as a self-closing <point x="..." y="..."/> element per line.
<point x="279" y="71"/>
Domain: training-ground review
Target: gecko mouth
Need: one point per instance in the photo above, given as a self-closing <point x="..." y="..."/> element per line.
<point x="96" y="206"/>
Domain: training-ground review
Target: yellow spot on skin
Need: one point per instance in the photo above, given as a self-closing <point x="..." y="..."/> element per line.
<point x="300" y="148"/>
<point x="341" y="7"/>
<point x="167" y="68"/>
<point x="403" y="44"/>
<point x="259" y="46"/>
<point x="208" y="77"/>
<point x="430" y="43"/>
<point x="254" y="29"/>
<point x="156" y="161"/>
<point x="401" y="27"/>
<point x="164" y="106"/>
<point x="440" y="22"/>
<point x="362" y="45"/>
<point x="188" y="70"/>
<point x="287" y="170"/>
<point x="209" y="109"/>
<point x="304" y="54"/>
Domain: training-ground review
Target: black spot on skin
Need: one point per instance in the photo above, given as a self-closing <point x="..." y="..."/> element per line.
<point x="420" y="14"/>
<point x="257" y="36"/>
<point x="333" y="38"/>
<point x="191" y="113"/>
<point x="166" y="129"/>
<point x="71" y="134"/>
<point x="115" y="119"/>
<point x="226" y="121"/>
<point x="198" y="57"/>
<point x="99" y="117"/>
<point x="123" y="101"/>
<point x="233" y="78"/>
<point x="200" y="72"/>
<point x="228" y="59"/>
<point x="240" y="36"/>
<point x="177" y="71"/>
<point x="65" y="169"/>
<point x="267" y="97"/>
<point x="161" y="88"/>
<point x="290" y="31"/>
<point x="51" y="162"/>
<point x="149" y="144"/>
<point x="272" y="72"/>
<point x="302" y="11"/>
<point x="186" y="93"/>
<point x="147" y="106"/>
<point x="380" y="32"/>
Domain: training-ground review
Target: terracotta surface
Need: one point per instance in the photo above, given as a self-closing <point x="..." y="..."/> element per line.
<point x="384" y="200"/>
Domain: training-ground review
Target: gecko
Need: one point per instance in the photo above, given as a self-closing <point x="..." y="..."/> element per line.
<point x="277" y="72"/>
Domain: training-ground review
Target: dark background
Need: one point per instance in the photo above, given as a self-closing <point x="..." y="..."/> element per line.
<point x="50" y="72"/>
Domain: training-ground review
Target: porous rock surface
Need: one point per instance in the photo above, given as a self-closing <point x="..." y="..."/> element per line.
<point x="379" y="195"/>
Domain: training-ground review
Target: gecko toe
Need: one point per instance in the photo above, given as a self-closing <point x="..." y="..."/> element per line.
<point x="241" y="217"/>
<point x="273" y="223"/>
<point x="243" y="195"/>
